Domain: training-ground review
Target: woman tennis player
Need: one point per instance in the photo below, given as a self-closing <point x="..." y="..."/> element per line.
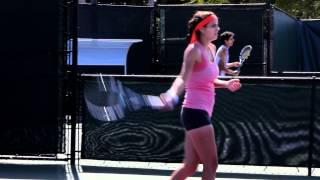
<point x="198" y="77"/>
<point x="222" y="56"/>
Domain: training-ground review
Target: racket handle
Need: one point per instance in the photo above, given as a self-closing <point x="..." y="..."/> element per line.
<point x="238" y="68"/>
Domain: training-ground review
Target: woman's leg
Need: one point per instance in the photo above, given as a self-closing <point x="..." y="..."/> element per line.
<point x="190" y="161"/>
<point x="203" y="140"/>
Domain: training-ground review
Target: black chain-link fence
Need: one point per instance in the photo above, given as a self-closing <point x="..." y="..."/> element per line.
<point x="267" y="122"/>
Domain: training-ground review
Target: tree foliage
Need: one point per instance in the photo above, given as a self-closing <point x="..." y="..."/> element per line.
<point x="305" y="9"/>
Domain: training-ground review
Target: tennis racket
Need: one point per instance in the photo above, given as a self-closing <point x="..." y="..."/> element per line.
<point x="244" y="55"/>
<point x="109" y="100"/>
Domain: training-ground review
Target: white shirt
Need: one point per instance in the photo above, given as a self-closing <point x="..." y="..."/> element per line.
<point x="218" y="58"/>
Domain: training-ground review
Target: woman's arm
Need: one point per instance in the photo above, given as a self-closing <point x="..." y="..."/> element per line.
<point x="220" y="83"/>
<point x="232" y="72"/>
<point x="222" y="62"/>
<point x="191" y="55"/>
<point x="223" y="66"/>
<point x="233" y="64"/>
<point x="232" y="84"/>
<point x="226" y="66"/>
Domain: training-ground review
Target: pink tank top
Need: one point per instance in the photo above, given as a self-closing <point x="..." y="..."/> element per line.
<point x="200" y="90"/>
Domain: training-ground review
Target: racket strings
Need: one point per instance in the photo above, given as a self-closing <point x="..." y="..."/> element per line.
<point x="103" y="113"/>
<point x="245" y="53"/>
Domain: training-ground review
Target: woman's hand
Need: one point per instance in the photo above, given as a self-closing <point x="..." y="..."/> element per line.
<point x="236" y="64"/>
<point x="233" y="64"/>
<point x="169" y="99"/>
<point x="233" y="73"/>
<point x="233" y="85"/>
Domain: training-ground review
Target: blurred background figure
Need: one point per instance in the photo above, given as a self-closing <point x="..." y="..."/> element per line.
<point x="222" y="55"/>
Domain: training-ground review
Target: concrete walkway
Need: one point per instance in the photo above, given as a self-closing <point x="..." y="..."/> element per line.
<point x="135" y="170"/>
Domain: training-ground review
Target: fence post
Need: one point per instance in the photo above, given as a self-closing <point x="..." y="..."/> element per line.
<point x="268" y="68"/>
<point x="73" y="82"/>
<point x="311" y="125"/>
<point x="155" y="43"/>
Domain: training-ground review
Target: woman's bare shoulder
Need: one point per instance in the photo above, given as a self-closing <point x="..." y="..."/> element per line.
<point x="192" y="53"/>
<point x="221" y="51"/>
<point x="193" y="50"/>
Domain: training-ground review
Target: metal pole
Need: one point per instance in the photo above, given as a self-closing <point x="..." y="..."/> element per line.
<point x="311" y="125"/>
<point x="269" y="34"/>
<point x="73" y="82"/>
<point x="94" y="2"/>
<point x="151" y="2"/>
<point x="155" y="57"/>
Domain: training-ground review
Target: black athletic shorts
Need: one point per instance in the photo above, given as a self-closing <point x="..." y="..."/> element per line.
<point x="194" y="118"/>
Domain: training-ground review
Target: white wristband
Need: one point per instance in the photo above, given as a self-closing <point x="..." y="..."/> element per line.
<point x="174" y="96"/>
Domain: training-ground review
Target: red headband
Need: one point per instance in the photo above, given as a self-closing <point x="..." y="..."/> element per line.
<point x="200" y="25"/>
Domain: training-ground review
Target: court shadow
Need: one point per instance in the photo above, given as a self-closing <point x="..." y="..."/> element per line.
<point x="159" y="172"/>
<point x="262" y="176"/>
<point x="136" y="171"/>
<point x="29" y="171"/>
